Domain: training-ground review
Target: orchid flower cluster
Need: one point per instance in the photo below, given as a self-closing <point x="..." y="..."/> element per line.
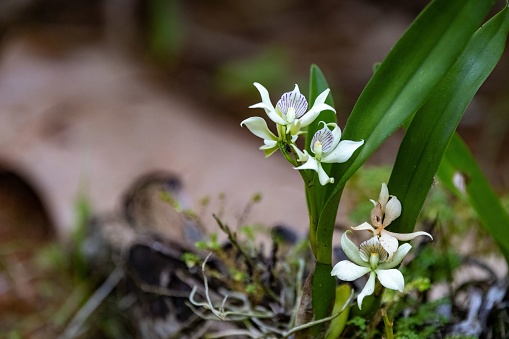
<point x="379" y="255"/>
<point x="292" y="120"/>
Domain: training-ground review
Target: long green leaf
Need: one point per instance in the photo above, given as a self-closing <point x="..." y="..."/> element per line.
<point x="434" y="124"/>
<point x="416" y="64"/>
<point x="400" y="86"/>
<point x="318" y="84"/>
<point x="459" y="162"/>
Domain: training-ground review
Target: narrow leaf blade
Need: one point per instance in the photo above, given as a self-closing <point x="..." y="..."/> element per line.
<point x="434" y="124"/>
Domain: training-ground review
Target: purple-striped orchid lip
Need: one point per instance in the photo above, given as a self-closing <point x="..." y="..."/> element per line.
<point x="293" y="101"/>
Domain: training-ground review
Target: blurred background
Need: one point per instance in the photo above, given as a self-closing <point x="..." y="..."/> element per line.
<point x="94" y="93"/>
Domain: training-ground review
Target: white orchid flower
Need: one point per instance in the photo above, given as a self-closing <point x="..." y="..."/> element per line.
<point x="290" y="110"/>
<point x="387" y="209"/>
<point x="327" y="148"/>
<point x="371" y="258"/>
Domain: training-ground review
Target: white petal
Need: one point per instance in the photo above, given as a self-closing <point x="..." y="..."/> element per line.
<point x="384" y="195"/>
<point x="266" y="107"/>
<point x="343" y="151"/>
<point x="397" y="258"/>
<point x="325" y="137"/>
<point x="323" y="177"/>
<point x="301" y="156"/>
<point x="266" y="104"/>
<point x="313" y="113"/>
<point x="293" y="100"/>
<point x="269" y="143"/>
<point x="258" y="127"/>
<point x="392" y="210"/>
<point x="264" y="94"/>
<point x="296" y="90"/>
<point x="269" y="148"/>
<point x="351" y="250"/>
<point x="364" y="226"/>
<point x="408" y="236"/>
<point x="311" y="164"/>
<point x="336" y="134"/>
<point x="392" y="279"/>
<point x="317" y="108"/>
<point x="388" y="242"/>
<point x="348" y="271"/>
<point x="368" y="289"/>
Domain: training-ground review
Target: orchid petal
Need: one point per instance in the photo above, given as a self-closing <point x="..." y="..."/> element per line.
<point x="397" y="258"/>
<point x="388" y="242"/>
<point x="407" y="236"/>
<point x="269" y="150"/>
<point x="264" y="94"/>
<point x="324" y="136"/>
<point x="296" y="90"/>
<point x="348" y="271"/>
<point x="323" y="177"/>
<point x="351" y="250"/>
<point x="258" y="127"/>
<point x="269" y="147"/>
<point x="311" y="164"/>
<point x="368" y="289"/>
<point x="343" y="151"/>
<point x="364" y="226"/>
<point x="318" y="106"/>
<point x="313" y="113"/>
<point x="392" y="210"/>
<point x="384" y="195"/>
<point x="336" y="134"/>
<point x="269" y="143"/>
<point x="293" y="100"/>
<point x="392" y="279"/>
<point x="266" y="104"/>
<point x="301" y="156"/>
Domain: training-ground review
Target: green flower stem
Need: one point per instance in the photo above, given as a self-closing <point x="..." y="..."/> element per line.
<point x="388" y="326"/>
<point x="309" y="181"/>
<point x="313" y="217"/>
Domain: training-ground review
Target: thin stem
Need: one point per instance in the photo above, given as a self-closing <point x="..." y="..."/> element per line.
<point x="313" y="218"/>
<point x="388" y="326"/>
<point x="249" y="262"/>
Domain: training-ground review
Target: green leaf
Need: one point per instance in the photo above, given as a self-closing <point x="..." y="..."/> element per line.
<point x="318" y="84"/>
<point x="459" y="161"/>
<point x="434" y="124"/>
<point x="400" y="86"/>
